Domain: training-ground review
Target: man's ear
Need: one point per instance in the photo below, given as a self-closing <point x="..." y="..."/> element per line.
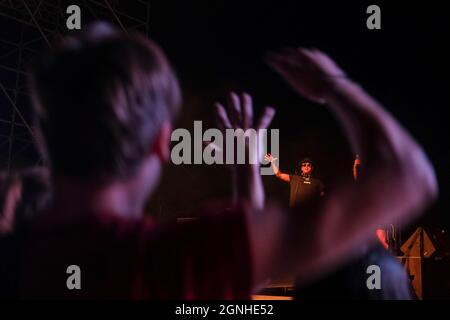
<point x="161" y="144"/>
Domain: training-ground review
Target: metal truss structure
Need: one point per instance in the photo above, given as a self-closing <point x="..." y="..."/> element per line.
<point x="27" y="27"/>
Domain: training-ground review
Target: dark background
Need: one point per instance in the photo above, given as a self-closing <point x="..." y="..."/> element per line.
<point x="218" y="46"/>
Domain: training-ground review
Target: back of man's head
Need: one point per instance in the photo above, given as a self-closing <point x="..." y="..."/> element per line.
<point x="100" y="98"/>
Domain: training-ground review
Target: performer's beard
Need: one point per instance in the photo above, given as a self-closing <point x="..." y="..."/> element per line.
<point x="305" y="175"/>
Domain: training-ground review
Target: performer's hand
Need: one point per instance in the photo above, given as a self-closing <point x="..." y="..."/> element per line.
<point x="269" y="158"/>
<point x="308" y="71"/>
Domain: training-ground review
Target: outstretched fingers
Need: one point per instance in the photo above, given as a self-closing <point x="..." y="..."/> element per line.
<point x="239" y="113"/>
<point x="266" y="118"/>
<point x="222" y="117"/>
<point x="247" y="111"/>
<point x="234" y="110"/>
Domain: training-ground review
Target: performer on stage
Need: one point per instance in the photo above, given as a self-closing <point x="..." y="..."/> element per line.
<point x="303" y="186"/>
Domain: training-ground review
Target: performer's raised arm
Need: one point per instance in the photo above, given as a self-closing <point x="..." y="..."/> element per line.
<point x="356" y="165"/>
<point x="280" y="175"/>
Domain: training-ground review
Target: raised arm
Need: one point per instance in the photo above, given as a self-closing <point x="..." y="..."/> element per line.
<point x="247" y="182"/>
<point x="398" y="180"/>
<point x="280" y="175"/>
<point x="356" y="165"/>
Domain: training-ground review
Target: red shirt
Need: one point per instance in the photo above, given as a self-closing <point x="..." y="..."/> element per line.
<point x="208" y="258"/>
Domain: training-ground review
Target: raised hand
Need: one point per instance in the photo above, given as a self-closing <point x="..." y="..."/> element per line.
<point x="269" y="158"/>
<point x="247" y="184"/>
<point x="239" y="115"/>
<point x="308" y="71"/>
<point x="357" y="161"/>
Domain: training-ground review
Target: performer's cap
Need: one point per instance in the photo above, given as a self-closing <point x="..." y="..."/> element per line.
<point x="307" y="160"/>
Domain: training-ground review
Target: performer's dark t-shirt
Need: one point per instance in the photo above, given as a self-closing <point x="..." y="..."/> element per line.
<point x="303" y="188"/>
